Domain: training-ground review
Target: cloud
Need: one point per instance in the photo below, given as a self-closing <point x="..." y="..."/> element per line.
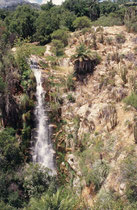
<point x="57" y="2"/>
<point x="34" y="1"/>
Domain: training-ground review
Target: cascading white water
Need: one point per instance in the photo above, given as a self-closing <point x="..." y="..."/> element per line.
<point x="43" y="150"/>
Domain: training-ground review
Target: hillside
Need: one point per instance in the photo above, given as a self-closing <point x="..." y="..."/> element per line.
<point x="68" y="106"/>
<point x="100" y="123"/>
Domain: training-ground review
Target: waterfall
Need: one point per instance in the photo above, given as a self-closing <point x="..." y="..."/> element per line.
<point x="43" y="152"/>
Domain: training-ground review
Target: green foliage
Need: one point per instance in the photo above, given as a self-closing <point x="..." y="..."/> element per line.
<point x="85" y="61"/>
<point x="50" y="21"/>
<point x="131" y="19"/>
<point x="120" y="38"/>
<point x="10" y="155"/>
<point x="109" y="20"/>
<point x="83" y="8"/>
<point x="47" y="6"/>
<point x="26" y="102"/>
<point x="81" y="22"/>
<point x="37" y="181"/>
<point x="131" y="100"/>
<point x="70" y="83"/>
<point x="123" y="74"/>
<point x="131" y="26"/>
<point x="22" y="55"/>
<point x="2" y="85"/>
<point x="98" y="173"/>
<point x="57" y="47"/>
<point x="129" y="176"/>
<point x="71" y="98"/>
<point x="82" y="50"/>
<point x="35" y="49"/>
<point x="62" y="35"/>
<point x="63" y="199"/>
<point x="22" y="21"/>
<point x="4" y="206"/>
<point x="108" y="201"/>
<point x="107" y="7"/>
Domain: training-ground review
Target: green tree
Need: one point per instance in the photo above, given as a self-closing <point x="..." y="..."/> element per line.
<point x="107" y="7"/>
<point x="47" y="6"/>
<point x="10" y="155"/>
<point x="61" y="35"/>
<point x="38" y="180"/>
<point x="81" y="22"/>
<point x="57" y="47"/>
<point x="51" y="20"/>
<point x="22" y="21"/>
<point x="89" y="8"/>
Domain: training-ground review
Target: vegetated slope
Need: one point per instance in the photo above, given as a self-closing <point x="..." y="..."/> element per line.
<point x="97" y="131"/>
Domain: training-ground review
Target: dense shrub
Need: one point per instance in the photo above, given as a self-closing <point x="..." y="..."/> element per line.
<point x="109" y="20"/>
<point x="131" y="100"/>
<point x="10" y="155"/>
<point x="81" y="22"/>
<point x="85" y="60"/>
<point x="2" y="85"/>
<point x="129" y="175"/>
<point x="57" y="47"/>
<point x="108" y="201"/>
<point x="63" y="199"/>
<point x="120" y="38"/>
<point x="37" y="180"/>
<point x="61" y="35"/>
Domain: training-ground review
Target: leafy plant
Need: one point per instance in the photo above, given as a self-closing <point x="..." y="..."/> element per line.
<point x="120" y="38"/>
<point x="131" y="100"/>
<point x="71" y="98"/>
<point x="57" y="47"/>
<point x="81" y="22"/>
<point x="37" y="180"/>
<point x="84" y="60"/>
<point x="62" y="35"/>
<point x="107" y="201"/>
<point x="63" y="199"/>
<point x="129" y="175"/>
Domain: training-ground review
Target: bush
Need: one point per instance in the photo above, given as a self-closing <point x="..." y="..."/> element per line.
<point x="36" y="50"/>
<point x="131" y="100"/>
<point x="71" y="98"/>
<point x="108" y="201"/>
<point x="129" y="176"/>
<point x="109" y="20"/>
<point x="57" y="47"/>
<point x="10" y="155"/>
<point x="61" y="35"/>
<point x="82" y="22"/>
<point x="2" y="85"/>
<point x="37" y="181"/>
<point x="85" y="60"/>
<point x="63" y="199"/>
<point x="120" y="38"/>
<point x="70" y="83"/>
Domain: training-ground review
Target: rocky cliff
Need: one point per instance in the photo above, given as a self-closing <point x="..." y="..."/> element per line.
<point x="95" y="118"/>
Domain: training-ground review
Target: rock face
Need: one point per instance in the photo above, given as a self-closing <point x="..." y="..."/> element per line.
<point x="11" y="4"/>
<point x="99" y="129"/>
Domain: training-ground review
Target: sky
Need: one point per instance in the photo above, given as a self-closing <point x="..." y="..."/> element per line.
<point x="45" y="1"/>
